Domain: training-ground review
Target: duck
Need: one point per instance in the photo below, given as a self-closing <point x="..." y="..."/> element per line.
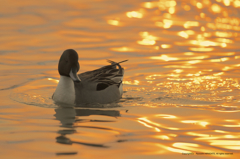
<point x="100" y="86"/>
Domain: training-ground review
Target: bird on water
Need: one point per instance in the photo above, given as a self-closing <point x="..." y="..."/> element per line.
<point x="102" y="86"/>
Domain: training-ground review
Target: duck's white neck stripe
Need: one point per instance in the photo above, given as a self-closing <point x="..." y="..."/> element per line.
<point x="65" y="91"/>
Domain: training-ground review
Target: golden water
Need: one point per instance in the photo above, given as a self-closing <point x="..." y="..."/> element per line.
<point x="181" y="85"/>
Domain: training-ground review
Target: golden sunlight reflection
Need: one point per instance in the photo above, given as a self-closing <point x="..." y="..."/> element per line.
<point x="185" y="145"/>
<point x="190" y="24"/>
<point x="153" y="77"/>
<point x="149" y="5"/>
<point x="216" y="8"/>
<point x="145" y="124"/>
<point x="54" y="80"/>
<point x="220" y="60"/>
<point x="223" y="26"/>
<point x="135" y="82"/>
<point x="188" y="53"/>
<point x="186" y="34"/>
<point x="201" y="49"/>
<point x="163" y="137"/>
<point x="165" y="46"/>
<point x="230" y="136"/>
<point x="167" y="116"/>
<point x="230" y="120"/>
<point x="220" y="131"/>
<point x="113" y="22"/>
<point x="164" y="57"/>
<point x="199" y="5"/>
<point x="227" y="2"/>
<point x="157" y="130"/>
<point x="174" y="149"/>
<point x="123" y="49"/>
<point x="187" y="7"/>
<point x="183" y="34"/>
<point x="195" y="77"/>
<point x="194" y="61"/>
<point x="148" y="121"/>
<point x="178" y="70"/>
<point x="225" y="34"/>
<point x="147" y="39"/>
<point x="179" y="66"/>
<point x="193" y="147"/>
<point x="167" y="23"/>
<point x="207" y="43"/>
<point x="202" y="123"/>
<point x="134" y="14"/>
<point x="236" y="3"/>
<point x="233" y="126"/>
<point x="150" y="124"/>
<point x="232" y="147"/>
<point x="197" y="134"/>
<point x="229" y="144"/>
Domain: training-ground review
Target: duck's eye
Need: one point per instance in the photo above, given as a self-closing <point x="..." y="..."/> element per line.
<point x="66" y="61"/>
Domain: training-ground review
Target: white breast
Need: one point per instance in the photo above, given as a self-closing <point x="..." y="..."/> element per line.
<point x="65" y="91"/>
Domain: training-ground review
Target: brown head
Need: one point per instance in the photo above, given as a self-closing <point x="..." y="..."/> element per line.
<point x="68" y="65"/>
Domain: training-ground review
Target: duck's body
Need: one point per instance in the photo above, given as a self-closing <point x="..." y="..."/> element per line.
<point x="103" y="85"/>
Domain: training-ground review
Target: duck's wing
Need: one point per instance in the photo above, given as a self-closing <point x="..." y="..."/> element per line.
<point x="105" y="76"/>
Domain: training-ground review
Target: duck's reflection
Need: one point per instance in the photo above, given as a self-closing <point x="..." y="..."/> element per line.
<point x="69" y="116"/>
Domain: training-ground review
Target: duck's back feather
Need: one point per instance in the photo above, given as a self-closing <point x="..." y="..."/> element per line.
<point x="102" y="85"/>
<point x="104" y="76"/>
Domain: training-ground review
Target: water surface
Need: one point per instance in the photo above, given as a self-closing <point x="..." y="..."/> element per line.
<point x="181" y="85"/>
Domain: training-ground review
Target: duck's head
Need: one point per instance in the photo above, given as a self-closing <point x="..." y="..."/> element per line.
<point x="68" y="65"/>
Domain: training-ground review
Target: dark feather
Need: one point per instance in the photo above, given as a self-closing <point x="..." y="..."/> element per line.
<point x="104" y="76"/>
<point x="101" y="86"/>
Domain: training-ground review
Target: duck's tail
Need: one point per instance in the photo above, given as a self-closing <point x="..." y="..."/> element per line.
<point x="118" y="64"/>
<point x="115" y="63"/>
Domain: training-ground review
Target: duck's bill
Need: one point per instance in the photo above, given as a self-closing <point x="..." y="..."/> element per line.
<point x="73" y="75"/>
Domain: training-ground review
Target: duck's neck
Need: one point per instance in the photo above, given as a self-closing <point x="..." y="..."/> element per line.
<point x="65" y="91"/>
